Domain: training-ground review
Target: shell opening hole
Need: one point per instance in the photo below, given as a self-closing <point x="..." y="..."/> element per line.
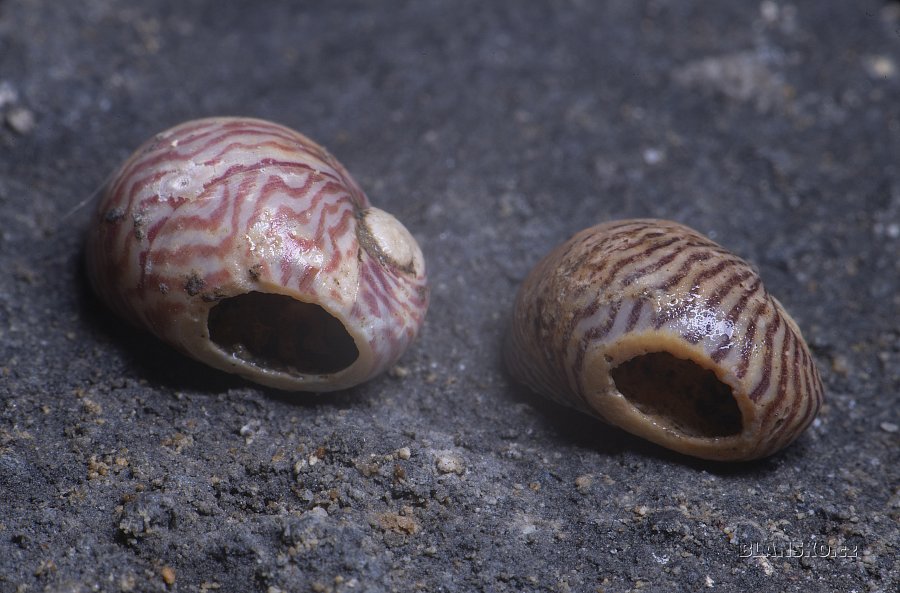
<point x="680" y="394"/>
<point x="278" y="333"/>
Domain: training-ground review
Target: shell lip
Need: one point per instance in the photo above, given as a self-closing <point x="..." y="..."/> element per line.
<point x="654" y="418"/>
<point x="284" y="376"/>
<point x="666" y="434"/>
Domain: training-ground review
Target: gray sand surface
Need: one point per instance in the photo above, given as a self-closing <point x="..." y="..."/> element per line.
<point x="494" y="130"/>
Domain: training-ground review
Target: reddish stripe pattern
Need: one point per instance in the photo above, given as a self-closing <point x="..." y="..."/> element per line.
<point x="220" y="207"/>
<point x="623" y="289"/>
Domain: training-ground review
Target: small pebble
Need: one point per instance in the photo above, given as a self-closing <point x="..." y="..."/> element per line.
<point x="316" y="513"/>
<point x="583" y="483"/>
<point x="880" y="67"/>
<point x="889" y="427"/>
<point x="168" y="575"/>
<point x="250" y="430"/>
<point x="840" y="365"/>
<point x="403" y="453"/>
<point x="449" y="464"/>
<point x="397" y="523"/>
<point x="20" y="120"/>
<point x="653" y="156"/>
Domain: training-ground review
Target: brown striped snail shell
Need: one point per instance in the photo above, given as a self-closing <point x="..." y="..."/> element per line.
<point x="654" y="328"/>
<point x="248" y="246"/>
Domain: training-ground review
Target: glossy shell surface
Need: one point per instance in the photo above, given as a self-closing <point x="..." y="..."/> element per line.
<point x="654" y="328"/>
<point x="249" y="247"/>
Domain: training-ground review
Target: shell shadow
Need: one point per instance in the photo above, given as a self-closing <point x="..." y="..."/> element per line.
<point x="582" y="430"/>
<point x="586" y="431"/>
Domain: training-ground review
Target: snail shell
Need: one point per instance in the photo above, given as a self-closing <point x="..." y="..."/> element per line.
<point x="654" y="328"/>
<point x="249" y="247"/>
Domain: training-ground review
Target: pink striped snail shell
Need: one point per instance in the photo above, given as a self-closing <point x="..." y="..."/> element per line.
<point x="249" y="247"/>
<point x="652" y="327"/>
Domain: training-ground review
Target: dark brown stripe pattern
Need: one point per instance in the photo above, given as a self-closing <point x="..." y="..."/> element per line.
<point x="622" y="290"/>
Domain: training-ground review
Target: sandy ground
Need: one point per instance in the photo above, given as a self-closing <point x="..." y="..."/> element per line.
<point x="494" y="130"/>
